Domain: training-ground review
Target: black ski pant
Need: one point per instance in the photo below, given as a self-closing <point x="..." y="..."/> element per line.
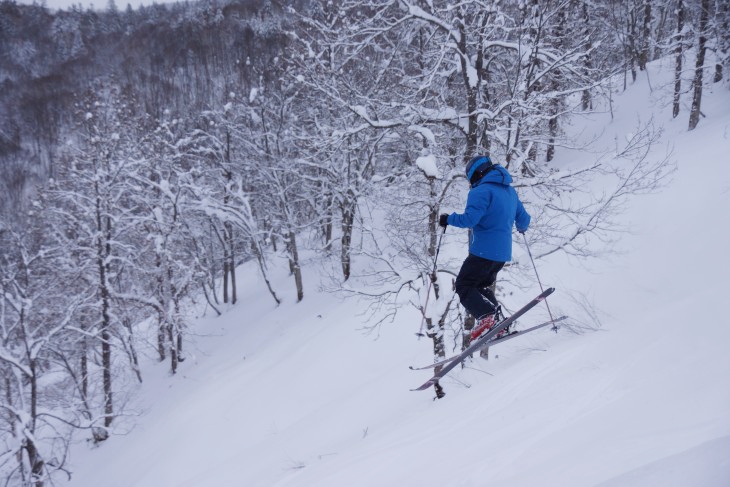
<point x="473" y="285"/>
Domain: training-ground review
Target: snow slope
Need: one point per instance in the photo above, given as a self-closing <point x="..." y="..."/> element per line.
<point x="298" y="396"/>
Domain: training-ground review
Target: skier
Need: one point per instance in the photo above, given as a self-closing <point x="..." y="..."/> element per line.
<point x="492" y="208"/>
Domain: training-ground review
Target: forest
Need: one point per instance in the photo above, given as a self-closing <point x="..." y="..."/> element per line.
<point x="145" y="154"/>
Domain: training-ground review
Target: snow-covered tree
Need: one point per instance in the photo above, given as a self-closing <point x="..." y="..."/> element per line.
<point x="268" y="134"/>
<point x="94" y="203"/>
<point x="223" y="191"/>
<point x="166" y="265"/>
<point x="31" y="325"/>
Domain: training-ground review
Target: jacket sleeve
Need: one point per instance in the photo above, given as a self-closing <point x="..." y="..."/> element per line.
<point x="476" y="207"/>
<point x="522" y="218"/>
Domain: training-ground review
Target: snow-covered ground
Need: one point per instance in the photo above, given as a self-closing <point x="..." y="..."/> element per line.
<point x="298" y="396"/>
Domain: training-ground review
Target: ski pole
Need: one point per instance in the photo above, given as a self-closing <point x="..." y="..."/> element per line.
<point x="430" y="281"/>
<point x="555" y="327"/>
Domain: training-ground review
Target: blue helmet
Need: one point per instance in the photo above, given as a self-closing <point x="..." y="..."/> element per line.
<point x="477" y="167"/>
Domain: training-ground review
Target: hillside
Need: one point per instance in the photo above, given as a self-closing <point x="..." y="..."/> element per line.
<point x="178" y="57"/>
<point x="298" y="395"/>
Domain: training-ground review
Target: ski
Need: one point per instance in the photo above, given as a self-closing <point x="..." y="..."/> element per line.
<point x="483" y="340"/>
<point x="492" y="343"/>
<point x="522" y="332"/>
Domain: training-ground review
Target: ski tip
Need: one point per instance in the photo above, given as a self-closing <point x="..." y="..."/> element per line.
<point x="543" y="295"/>
<point x="555" y="322"/>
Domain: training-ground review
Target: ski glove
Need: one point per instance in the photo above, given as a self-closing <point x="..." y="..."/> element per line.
<point x="443" y="220"/>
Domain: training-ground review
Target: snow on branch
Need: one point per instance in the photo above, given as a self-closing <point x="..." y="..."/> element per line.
<point x="417" y="12"/>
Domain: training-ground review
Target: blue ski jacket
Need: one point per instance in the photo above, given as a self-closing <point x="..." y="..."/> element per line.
<point x="492" y="207"/>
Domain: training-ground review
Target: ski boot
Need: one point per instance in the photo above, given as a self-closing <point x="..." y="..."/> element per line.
<point x="487" y="322"/>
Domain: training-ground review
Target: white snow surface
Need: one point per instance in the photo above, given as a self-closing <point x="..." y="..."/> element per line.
<point x="298" y="395"/>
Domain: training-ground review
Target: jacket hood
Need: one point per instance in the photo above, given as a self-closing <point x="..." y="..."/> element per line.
<point x="498" y="175"/>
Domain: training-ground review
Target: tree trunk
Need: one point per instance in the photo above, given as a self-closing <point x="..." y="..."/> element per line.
<point x="348" y="220"/>
<point x="553" y="128"/>
<point x="295" y="266"/>
<point x="37" y="465"/>
<point x="586" y="99"/>
<point x="433" y="218"/>
<point x="103" y="251"/>
<point x="229" y="255"/>
<point x="678" y="53"/>
<point x="226" y="271"/>
<point x="327" y="226"/>
<point x="660" y="29"/>
<point x="132" y="351"/>
<point x="262" y="267"/>
<point x="171" y="317"/>
<point x="161" y="346"/>
<point x="179" y="331"/>
<point x="556" y="103"/>
<point x="694" y="115"/>
<point x="722" y="23"/>
<point x="631" y="47"/>
<point x="84" y="369"/>
<point x="645" y="37"/>
<point x="212" y="268"/>
<point x="10" y="419"/>
<point x="436" y="333"/>
<point x="471" y="88"/>
<point x="172" y="339"/>
<point x="106" y="358"/>
<point x="231" y="260"/>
